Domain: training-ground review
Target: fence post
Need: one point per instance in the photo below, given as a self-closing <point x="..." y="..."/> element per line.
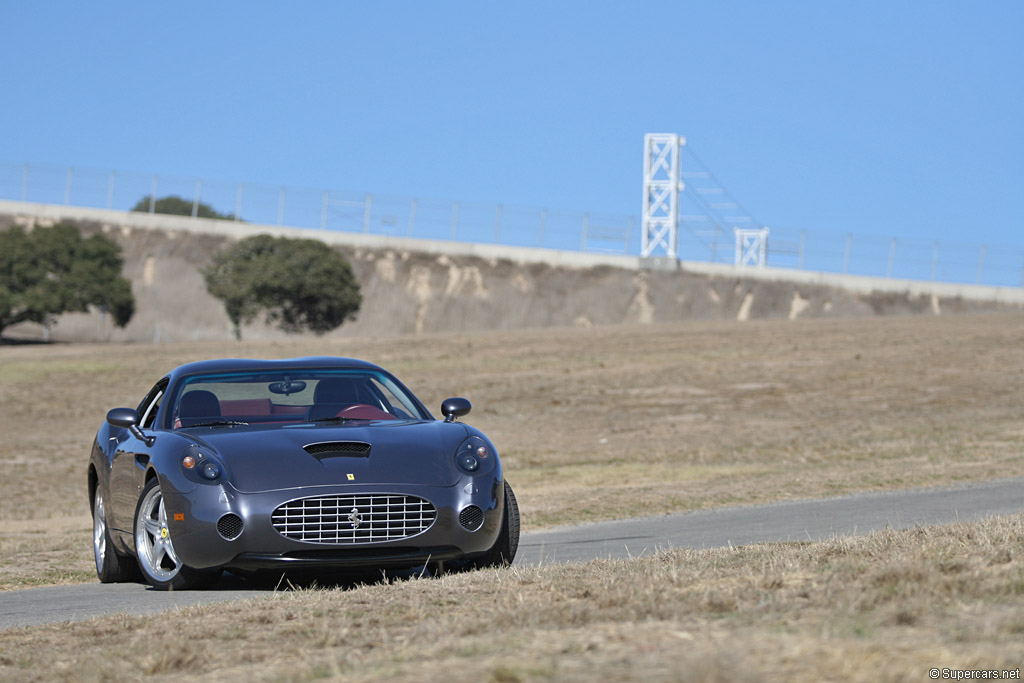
<point x="280" y="206"/>
<point x="152" y="195"/>
<point x="455" y="217"/>
<point x="892" y="255"/>
<point x="67" y="186"/>
<point x="803" y="244"/>
<point x="366" y="212"/>
<point x="238" y="203"/>
<point x="497" y="225"/>
<point x="981" y="264"/>
<point x="846" y="255"/>
<point x="543" y="221"/>
<point x="24" y="183"/>
<point x="195" y="200"/>
<point x="110" y="190"/>
<point x="412" y="217"/>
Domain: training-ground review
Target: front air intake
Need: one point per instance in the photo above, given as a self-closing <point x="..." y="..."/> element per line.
<point x="230" y="526"/>
<point x="471" y="518"/>
<point x="355" y="518"/>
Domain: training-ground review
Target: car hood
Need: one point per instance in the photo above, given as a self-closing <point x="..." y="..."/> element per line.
<point x="264" y="458"/>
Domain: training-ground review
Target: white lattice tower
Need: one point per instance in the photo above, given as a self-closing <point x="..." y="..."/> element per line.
<point x="659" y="223"/>
<point x="751" y="247"/>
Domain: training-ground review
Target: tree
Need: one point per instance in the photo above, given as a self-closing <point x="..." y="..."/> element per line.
<point x="177" y="206"/>
<point x="300" y="284"/>
<point x="50" y="271"/>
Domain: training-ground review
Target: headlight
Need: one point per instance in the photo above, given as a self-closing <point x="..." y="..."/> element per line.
<point x="209" y="470"/>
<point x="468" y="462"/>
<point x="201" y="467"/>
<point x="475" y="456"/>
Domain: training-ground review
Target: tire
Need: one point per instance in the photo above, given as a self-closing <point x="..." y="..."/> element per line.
<point x="111" y="566"/>
<point x="153" y="547"/>
<point x="503" y="552"/>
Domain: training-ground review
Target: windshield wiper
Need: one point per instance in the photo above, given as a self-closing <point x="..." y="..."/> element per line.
<point x="333" y="418"/>
<point x="220" y="423"/>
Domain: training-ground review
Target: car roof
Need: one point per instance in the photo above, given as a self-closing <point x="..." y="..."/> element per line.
<point x="259" y="365"/>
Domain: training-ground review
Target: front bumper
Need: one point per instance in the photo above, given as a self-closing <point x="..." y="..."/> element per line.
<point x="377" y="558"/>
<point x="193" y="516"/>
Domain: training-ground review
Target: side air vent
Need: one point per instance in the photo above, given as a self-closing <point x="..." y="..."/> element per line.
<point x="338" y="449"/>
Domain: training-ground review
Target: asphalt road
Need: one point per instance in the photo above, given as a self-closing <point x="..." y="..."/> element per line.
<point x="794" y="521"/>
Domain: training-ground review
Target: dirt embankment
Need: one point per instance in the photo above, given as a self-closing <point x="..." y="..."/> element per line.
<point x="411" y="292"/>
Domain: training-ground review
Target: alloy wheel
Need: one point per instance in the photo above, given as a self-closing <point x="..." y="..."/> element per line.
<point x="153" y="539"/>
<point x="99" y="532"/>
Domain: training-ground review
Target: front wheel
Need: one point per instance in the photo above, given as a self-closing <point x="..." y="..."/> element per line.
<point x="157" y="559"/>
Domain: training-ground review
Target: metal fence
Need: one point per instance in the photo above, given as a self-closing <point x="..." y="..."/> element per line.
<point x="871" y="255"/>
<point x="305" y="207"/>
<point x="701" y="238"/>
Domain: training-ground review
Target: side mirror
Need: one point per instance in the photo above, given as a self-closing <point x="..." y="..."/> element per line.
<point x="452" y="408"/>
<point x="128" y="418"/>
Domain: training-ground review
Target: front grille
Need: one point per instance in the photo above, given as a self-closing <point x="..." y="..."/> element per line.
<point x="230" y="526"/>
<point x="329" y="448"/>
<point x="353" y="519"/>
<point x="471" y="518"/>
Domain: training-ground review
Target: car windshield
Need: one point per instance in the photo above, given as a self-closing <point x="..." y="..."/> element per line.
<point x="296" y="395"/>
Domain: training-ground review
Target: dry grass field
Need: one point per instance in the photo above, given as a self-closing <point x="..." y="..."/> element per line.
<point x="885" y="607"/>
<point x="591" y="424"/>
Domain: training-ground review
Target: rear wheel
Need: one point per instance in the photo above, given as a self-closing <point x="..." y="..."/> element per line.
<point x="111" y="566"/>
<point x="157" y="560"/>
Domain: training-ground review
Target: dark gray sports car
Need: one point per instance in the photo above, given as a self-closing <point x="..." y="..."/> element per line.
<point x="305" y="463"/>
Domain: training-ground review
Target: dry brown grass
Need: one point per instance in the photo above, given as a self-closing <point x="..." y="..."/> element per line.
<point x="883" y="607"/>
<point x="41" y="552"/>
<point x="591" y="423"/>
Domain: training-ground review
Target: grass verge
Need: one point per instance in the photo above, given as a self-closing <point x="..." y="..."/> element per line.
<point x="883" y="607"/>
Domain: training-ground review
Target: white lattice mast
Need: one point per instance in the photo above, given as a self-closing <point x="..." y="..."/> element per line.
<point x="751" y="247"/>
<point x="659" y="221"/>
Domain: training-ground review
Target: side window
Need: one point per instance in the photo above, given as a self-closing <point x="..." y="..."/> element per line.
<point x="151" y="404"/>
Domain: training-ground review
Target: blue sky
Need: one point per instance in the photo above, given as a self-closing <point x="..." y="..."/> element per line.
<point x="886" y="118"/>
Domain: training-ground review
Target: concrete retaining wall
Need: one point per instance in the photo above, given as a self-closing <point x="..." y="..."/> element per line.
<point x="416" y="285"/>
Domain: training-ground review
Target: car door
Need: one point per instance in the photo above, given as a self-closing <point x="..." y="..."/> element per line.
<point x="129" y="461"/>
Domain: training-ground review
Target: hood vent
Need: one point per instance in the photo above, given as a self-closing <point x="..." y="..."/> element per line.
<point x="338" y="449"/>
